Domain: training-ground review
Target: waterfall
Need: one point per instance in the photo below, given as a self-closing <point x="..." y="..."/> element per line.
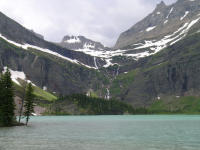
<point x="95" y="63"/>
<point x="107" y="96"/>
<point x="117" y="73"/>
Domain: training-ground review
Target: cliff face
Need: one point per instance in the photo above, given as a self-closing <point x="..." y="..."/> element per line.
<point x="173" y="71"/>
<point x="49" y="71"/>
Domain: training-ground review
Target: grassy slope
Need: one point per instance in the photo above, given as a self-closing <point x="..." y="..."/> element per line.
<point x="184" y="105"/>
<point x="44" y="94"/>
<point x="121" y="83"/>
<point x="39" y="93"/>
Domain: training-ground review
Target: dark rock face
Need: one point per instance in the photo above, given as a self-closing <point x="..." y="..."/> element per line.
<point x="38" y="35"/>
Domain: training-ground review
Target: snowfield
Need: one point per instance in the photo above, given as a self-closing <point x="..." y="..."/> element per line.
<point x="15" y="75"/>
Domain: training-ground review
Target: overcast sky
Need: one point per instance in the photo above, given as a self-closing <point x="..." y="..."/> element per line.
<point x="100" y="20"/>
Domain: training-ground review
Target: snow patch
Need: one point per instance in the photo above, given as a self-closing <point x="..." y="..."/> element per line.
<point x="73" y="40"/>
<point x="170" y="12"/>
<point x="150" y="28"/>
<point x="186" y="13"/>
<point x="44" y="88"/>
<point x="88" y="46"/>
<point x="15" y="75"/>
<point x="34" y="114"/>
<point x="165" y="21"/>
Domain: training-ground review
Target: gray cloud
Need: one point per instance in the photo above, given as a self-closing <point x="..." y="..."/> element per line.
<point x="100" y="20"/>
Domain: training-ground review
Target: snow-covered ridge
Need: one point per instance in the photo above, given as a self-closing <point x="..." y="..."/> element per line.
<point x="73" y="40"/>
<point x="88" y="46"/>
<point x="171" y="39"/>
<point x="15" y="75"/>
<point x="27" y="46"/>
<point x="153" y="45"/>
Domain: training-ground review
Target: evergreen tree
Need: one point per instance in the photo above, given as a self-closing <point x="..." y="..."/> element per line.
<point x="24" y="85"/>
<point x="7" y="105"/>
<point x="29" y="106"/>
<point x="1" y="101"/>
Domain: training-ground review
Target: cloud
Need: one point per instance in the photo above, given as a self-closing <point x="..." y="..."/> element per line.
<point x="100" y="20"/>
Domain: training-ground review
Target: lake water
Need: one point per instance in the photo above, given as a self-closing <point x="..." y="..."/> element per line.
<point x="151" y="132"/>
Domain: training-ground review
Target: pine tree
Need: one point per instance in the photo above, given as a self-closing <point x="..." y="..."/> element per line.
<point x="7" y="105"/>
<point x="29" y="106"/>
<point x="1" y="101"/>
<point x="24" y="85"/>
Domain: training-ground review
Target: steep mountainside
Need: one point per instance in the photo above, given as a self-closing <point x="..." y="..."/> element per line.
<point x="163" y="27"/>
<point x="22" y="37"/>
<point x="45" y="64"/>
<point x="46" y="70"/>
<point x="99" y="52"/>
<point x="173" y="71"/>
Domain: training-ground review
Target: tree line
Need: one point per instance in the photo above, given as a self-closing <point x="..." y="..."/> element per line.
<point x="93" y="105"/>
<point x="7" y="103"/>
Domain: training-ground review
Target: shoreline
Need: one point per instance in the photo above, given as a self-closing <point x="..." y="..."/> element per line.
<point x="13" y="125"/>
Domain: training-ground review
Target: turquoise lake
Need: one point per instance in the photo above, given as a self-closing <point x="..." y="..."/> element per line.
<point x="140" y="132"/>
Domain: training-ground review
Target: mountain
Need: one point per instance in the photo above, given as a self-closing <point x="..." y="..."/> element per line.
<point x="163" y="27"/>
<point x="156" y="59"/>
<point x="37" y="34"/>
<point x="169" y="74"/>
<point x="82" y="43"/>
<point x="169" y="69"/>
<point x="22" y="37"/>
<point x="47" y="65"/>
<point x="95" y="49"/>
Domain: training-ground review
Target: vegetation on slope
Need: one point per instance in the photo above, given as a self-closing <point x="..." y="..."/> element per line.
<point x="42" y="69"/>
<point x="38" y="92"/>
<point x="179" y="105"/>
<point x="172" y="71"/>
<point x="78" y="104"/>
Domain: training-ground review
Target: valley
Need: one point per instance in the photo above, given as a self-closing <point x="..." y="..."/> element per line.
<point x="155" y="59"/>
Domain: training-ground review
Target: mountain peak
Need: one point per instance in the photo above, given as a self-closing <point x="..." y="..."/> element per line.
<point x="81" y="42"/>
<point x="161" y="5"/>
